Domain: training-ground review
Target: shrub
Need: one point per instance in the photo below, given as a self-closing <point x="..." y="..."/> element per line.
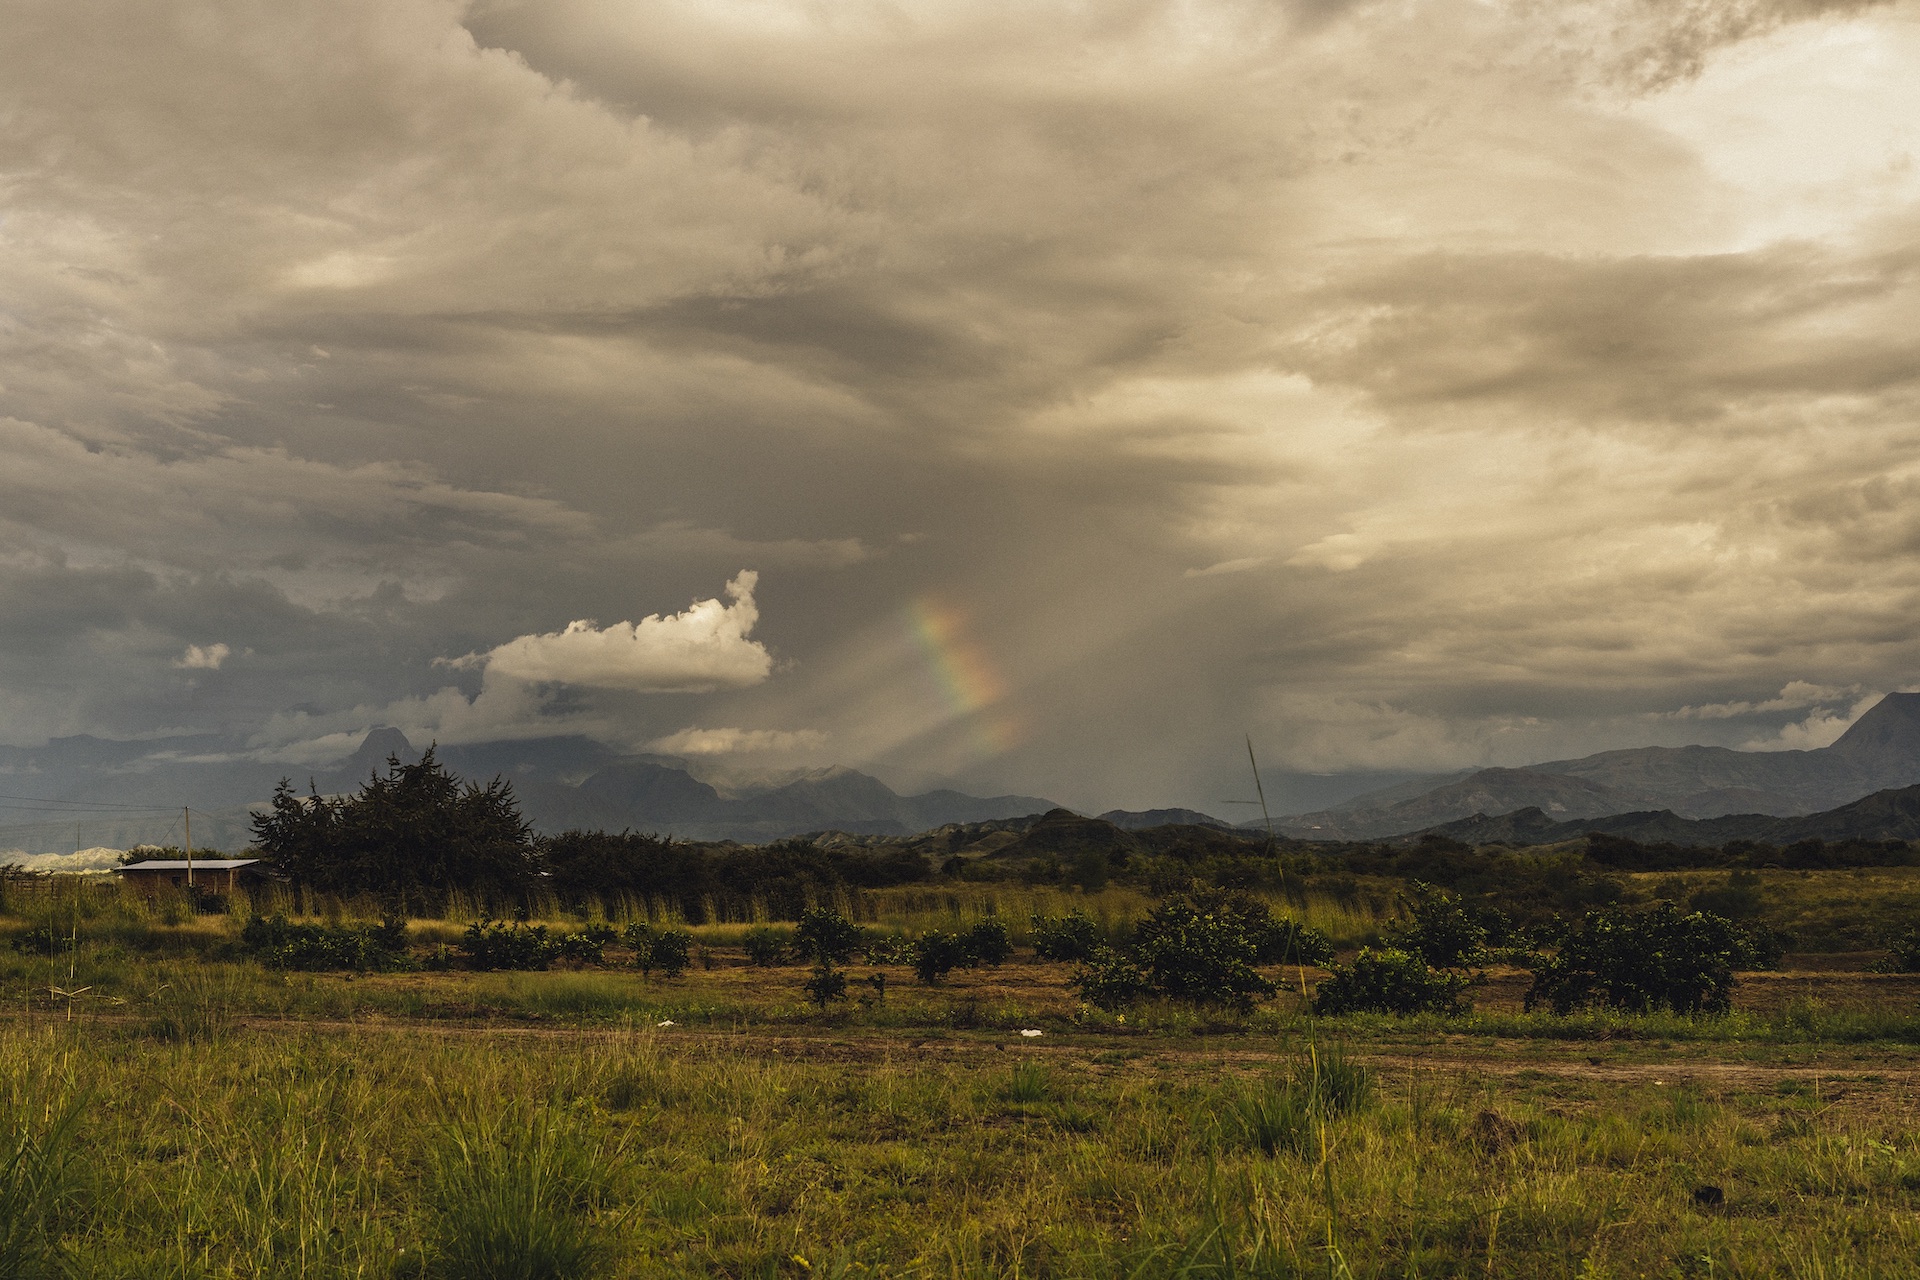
<point x="1903" y="955"/>
<point x="1739" y="897"/>
<point x="766" y="946"/>
<point x="281" y="944"/>
<point x="1441" y="932"/>
<point x="887" y="949"/>
<point x="1389" y="980"/>
<point x="496" y="944"/>
<point x="668" y="950"/>
<point x="1287" y="941"/>
<point x="1109" y="980"/>
<point x="1760" y="947"/>
<point x="987" y="943"/>
<point x="1073" y="936"/>
<point x="825" y="936"/>
<point x="40" y="940"/>
<point x="1202" y="949"/>
<point x="588" y="946"/>
<point x="827" y="983"/>
<point x="1274" y="941"/>
<point x="1644" y="960"/>
<point x="936" y="954"/>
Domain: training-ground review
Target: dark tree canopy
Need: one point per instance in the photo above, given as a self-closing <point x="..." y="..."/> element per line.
<point x="412" y="837"/>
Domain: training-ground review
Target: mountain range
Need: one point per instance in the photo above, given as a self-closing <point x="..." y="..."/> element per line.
<point x="1893" y="814"/>
<point x="81" y="792"/>
<point x="1880" y="751"/>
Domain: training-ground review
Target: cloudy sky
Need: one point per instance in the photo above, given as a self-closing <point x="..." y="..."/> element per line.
<point x="1029" y="396"/>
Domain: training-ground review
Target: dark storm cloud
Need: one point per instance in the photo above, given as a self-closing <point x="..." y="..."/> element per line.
<point x="1656" y="340"/>
<point x="1409" y="384"/>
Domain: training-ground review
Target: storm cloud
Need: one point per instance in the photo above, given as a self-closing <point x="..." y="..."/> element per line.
<point x="1406" y="385"/>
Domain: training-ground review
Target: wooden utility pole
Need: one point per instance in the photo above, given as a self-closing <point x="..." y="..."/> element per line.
<point x="188" y="814"/>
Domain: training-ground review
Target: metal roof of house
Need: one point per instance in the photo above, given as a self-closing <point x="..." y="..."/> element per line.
<point x="181" y="864"/>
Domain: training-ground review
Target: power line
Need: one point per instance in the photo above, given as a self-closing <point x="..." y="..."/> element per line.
<point x="79" y="805"/>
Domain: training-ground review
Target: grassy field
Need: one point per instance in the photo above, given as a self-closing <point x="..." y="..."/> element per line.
<point x="171" y="1109"/>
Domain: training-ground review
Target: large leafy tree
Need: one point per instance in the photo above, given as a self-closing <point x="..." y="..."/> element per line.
<point x="413" y="837"/>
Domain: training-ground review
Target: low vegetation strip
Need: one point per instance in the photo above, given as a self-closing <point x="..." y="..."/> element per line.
<point x="643" y="1154"/>
<point x="1160" y="1060"/>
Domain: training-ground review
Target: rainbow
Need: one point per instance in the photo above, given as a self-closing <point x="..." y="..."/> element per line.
<point x="967" y="678"/>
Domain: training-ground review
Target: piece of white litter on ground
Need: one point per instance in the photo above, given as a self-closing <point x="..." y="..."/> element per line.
<point x="667" y="1023"/>
<point x="1028" y="1032"/>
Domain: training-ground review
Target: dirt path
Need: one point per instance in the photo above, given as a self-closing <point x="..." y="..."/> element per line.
<point x="1840" y="1071"/>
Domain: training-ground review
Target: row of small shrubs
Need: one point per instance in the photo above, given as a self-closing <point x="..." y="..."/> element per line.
<point x="829" y="940"/>
<point x="1200" y="947"/>
<point x="498" y="944"/>
<point x="488" y="944"/>
<point x="825" y="937"/>
<point x="280" y="943"/>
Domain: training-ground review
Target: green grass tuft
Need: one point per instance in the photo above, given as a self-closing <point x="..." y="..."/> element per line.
<point x="512" y="1196"/>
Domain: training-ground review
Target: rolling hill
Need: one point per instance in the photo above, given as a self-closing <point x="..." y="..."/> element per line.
<point x="1880" y="751"/>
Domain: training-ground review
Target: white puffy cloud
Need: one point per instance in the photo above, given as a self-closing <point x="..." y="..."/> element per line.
<point x="203" y="657"/>
<point x="703" y="648"/>
<point x="1821" y="728"/>
<point x="532" y="686"/>
<point x="1794" y="696"/>
<point x="722" y="742"/>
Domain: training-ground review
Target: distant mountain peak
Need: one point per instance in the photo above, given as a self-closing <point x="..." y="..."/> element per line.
<point x="381" y="742"/>
<point x="1891" y="727"/>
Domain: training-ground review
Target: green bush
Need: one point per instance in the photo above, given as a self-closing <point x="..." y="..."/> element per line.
<point x="40" y="940"/>
<point x="668" y="950"/>
<point x="1201" y="948"/>
<point x="281" y="944"/>
<point x="767" y="946"/>
<point x="496" y="944"/>
<point x="1736" y="899"/>
<point x="987" y="943"/>
<point x="1441" y="932"/>
<point x="1643" y="960"/>
<point x="1073" y="936"/>
<point x="1287" y="941"/>
<point x="1110" y="981"/>
<point x="936" y="954"/>
<point x="1903" y="954"/>
<point x="827" y="983"/>
<point x="825" y="936"/>
<point x="1389" y="980"/>
<point x="887" y="949"/>
<point x="588" y="946"/>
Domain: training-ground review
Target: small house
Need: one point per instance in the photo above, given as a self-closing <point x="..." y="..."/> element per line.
<point x="208" y="875"/>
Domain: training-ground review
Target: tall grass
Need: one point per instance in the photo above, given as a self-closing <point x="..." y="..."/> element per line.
<point x="37" y="1147"/>
<point x="512" y="1195"/>
<point x="392" y="1152"/>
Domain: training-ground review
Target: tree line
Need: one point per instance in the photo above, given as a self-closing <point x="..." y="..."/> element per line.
<point x="418" y="836"/>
